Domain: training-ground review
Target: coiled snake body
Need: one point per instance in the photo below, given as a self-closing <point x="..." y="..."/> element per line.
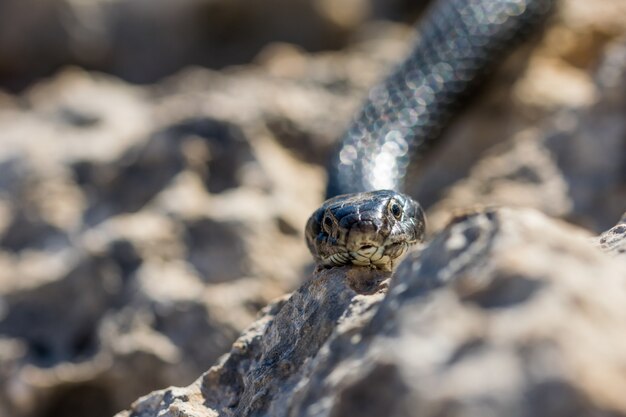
<point x="459" y="42"/>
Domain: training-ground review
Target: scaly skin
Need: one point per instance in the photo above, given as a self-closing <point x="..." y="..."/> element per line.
<point x="459" y="43"/>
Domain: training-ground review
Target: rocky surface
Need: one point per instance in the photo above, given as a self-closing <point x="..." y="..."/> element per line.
<point x="143" y="41"/>
<point x="142" y="228"/>
<point x="548" y="133"/>
<point x="571" y="167"/>
<point x="483" y="324"/>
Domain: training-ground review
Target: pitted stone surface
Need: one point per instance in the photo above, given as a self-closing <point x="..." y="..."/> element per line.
<point x="511" y="294"/>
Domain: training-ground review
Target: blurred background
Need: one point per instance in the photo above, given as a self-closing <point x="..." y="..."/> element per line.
<point x="158" y="161"/>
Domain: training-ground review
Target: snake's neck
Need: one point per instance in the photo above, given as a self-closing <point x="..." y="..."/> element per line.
<point x="459" y="43"/>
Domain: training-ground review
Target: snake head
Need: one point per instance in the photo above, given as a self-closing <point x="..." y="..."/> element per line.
<point x="366" y="229"/>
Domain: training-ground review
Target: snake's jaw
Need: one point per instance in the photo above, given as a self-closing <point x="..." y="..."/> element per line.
<point x="383" y="257"/>
<point x="337" y="259"/>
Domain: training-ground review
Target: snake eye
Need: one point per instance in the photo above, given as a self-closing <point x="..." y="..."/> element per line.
<point x="327" y="223"/>
<point x="395" y="210"/>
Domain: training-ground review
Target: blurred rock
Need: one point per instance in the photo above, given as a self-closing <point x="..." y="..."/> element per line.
<point x="143" y="41"/>
<point x="506" y="294"/>
<point x="136" y="242"/>
<point x="572" y="166"/>
<point x="551" y="94"/>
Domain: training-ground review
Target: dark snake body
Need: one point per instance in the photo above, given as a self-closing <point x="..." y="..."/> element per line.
<point x="459" y="43"/>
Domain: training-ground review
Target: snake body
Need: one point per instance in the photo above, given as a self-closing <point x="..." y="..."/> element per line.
<point x="459" y="42"/>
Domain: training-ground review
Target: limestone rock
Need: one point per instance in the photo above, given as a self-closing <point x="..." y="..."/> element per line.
<point x="548" y="130"/>
<point x="132" y="239"/>
<point x="504" y="312"/>
<point x="571" y="166"/>
<point x="142" y="228"/>
<point x="119" y="37"/>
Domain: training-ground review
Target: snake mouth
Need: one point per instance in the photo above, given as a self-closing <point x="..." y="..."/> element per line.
<point x="375" y="256"/>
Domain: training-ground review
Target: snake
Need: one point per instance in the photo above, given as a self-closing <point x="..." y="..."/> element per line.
<point x="367" y="220"/>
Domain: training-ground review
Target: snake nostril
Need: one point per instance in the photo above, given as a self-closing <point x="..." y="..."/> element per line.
<point x="363" y="247"/>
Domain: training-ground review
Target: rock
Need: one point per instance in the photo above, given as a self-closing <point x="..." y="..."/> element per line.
<point x="120" y="37"/>
<point x="571" y="167"/>
<point x="574" y="133"/>
<point x="504" y="311"/>
<point x="134" y="237"/>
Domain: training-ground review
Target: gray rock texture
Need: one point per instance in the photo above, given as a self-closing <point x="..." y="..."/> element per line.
<point x="484" y="324"/>
<point x="145" y="40"/>
<point x="562" y="118"/>
<point x="142" y="228"/>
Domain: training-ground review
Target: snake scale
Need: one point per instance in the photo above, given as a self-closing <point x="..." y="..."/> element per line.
<point x="367" y="221"/>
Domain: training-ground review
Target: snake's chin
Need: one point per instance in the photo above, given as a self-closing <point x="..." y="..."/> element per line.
<point x="377" y="257"/>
